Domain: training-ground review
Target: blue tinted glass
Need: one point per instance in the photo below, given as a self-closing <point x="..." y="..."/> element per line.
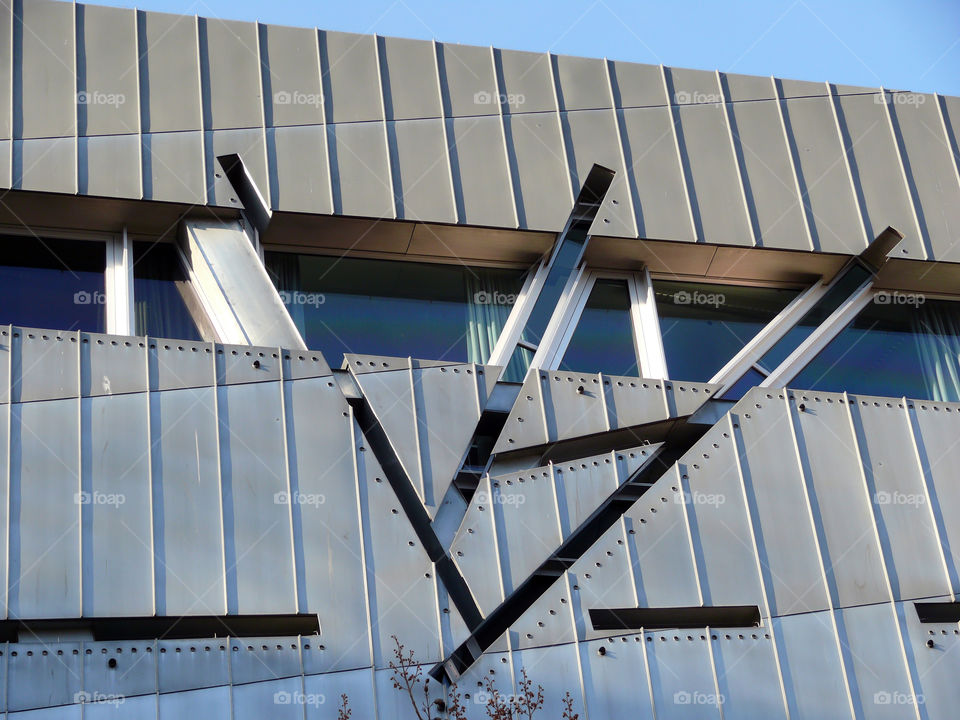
<point x="54" y="284"/>
<point x="703" y="326"/>
<point x="380" y="307"/>
<point x="909" y="348"/>
<point x="568" y="255"/>
<point x="158" y="291"/>
<point x="603" y="341"/>
<point x="751" y="378"/>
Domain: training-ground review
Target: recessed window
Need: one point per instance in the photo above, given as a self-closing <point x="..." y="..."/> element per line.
<point x="52" y="283"/>
<point x="704" y="325"/>
<point x="899" y="345"/>
<point x="604" y="340"/>
<point x="160" y="290"/>
<point x="400" y="309"/>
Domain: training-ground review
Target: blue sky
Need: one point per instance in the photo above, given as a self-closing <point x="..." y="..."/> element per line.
<point x="900" y="45"/>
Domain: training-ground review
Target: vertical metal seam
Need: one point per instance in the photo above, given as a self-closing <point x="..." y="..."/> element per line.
<point x="646" y="669"/>
<point x="136" y="53"/>
<point x="9" y="443"/>
<point x="943" y="123"/>
<point x="324" y="124"/>
<point x="481" y="399"/>
<point x="751" y="527"/>
<point x="831" y="609"/>
<point x="884" y="562"/>
<point x="571" y="167"/>
<point x="416" y="431"/>
<point x="81" y="505"/>
<point x="383" y="119"/>
<point x="685" y="511"/>
<point x="216" y="420"/>
<point x="603" y="401"/>
<point x="681" y="165"/>
<point x="290" y="498"/>
<point x="543" y="400"/>
<point x="13" y="64"/>
<point x="203" y="153"/>
<point x="713" y="670"/>
<point x="263" y="117"/>
<point x="503" y="134"/>
<point x="845" y="153"/>
<point x="727" y="110"/>
<point x="150" y="479"/>
<point x="930" y="492"/>
<point x="627" y="179"/>
<point x="76" y="105"/>
<point x="498" y="552"/>
<point x="443" y="128"/>
<point x="911" y="189"/>
<point x="780" y="100"/>
<point x="577" y="645"/>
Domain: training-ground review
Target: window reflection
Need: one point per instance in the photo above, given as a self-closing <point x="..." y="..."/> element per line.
<point x="52" y="283"/>
<point x="603" y="340"/>
<point x="159" y="288"/>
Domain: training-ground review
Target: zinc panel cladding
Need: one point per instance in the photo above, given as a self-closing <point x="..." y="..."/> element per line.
<point x="272" y="699"/>
<point x="256" y="522"/>
<point x="107" y="71"/>
<point x="192" y="664"/>
<point x="540" y="175"/>
<point x="6" y="71"/>
<point x="60" y="678"/>
<point x="299" y="170"/>
<point x="934" y="669"/>
<point x="936" y="186"/>
<point x="45" y="95"/>
<point x="481" y="182"/>
<point x="474" y="550"/>
<point x="872" y="151"/>
<point x="421" y="171"/>
<point x="230" y="67"/>
<point x="355" y="684"/>
<point x="410" y="85"/>
<point x="548" y="621"/>
<point x="109" y="166"/>
<point x="614" y="683"/>
<point x="135" y="672"/>
<point x="290" y="72"/>
<point x="681" y="675"/>
<point x="637" y="85"/>
<point x="169" y="73"/>
<point x="45" y="165"/>
<point x="6" y="150"/>
<point x="351" y="77"/>
<point x="526" y="82"/>
<point x="359" y="167"/>
<point x="117" y="537"/>
<point x="468" y="80"/>
<point x="748" y="676"/>
<point x="172" y="165"/>
<point x="582" y="83"/>
<point x="561" y="664"/>
<point x="249" y="145"/>
<point x="213" y="703"/>
<point x="602" y="578"/>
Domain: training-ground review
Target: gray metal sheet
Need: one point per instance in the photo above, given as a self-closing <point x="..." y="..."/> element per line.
<point x="41" y="676"/>
<point x="582" y="82"/>
<point x="235" y="364"/>
<point x="257" y="522"/>
<point x="173" y="167"/>
<point x="400" y="577"/>
<point x="650" y="150"/>
<point x="47" y="165"/>
<point x="813" y="676"/>
<point x="558" y="670"/>
<point x="299" y="171"/>
<point x="768" y="175"/>
<point x="935" y="183"/>
<point x="569" y="413"/>
<point x="685" y="398"/>
<point x="525" y="426"/>
<point x="789" y="559"/>
<point x="357" y="685"/>
<point x="281" y="699"/>
<point x="291" y="76"/>
<point x="112" y="364"/>
<point x="6" y="357"/>
<point x="592" y="137"/>
<point x="526" y="81"/>
<point x="681" y="675"/>
<point x="46" y="62"/>
<point x="62" y="712"/>
<point x="6" y="149"/>
<point x="876" y="658"/>
<point x="410" y="85"/>
<point x="108" y="73"/>
<point x="190" y="664"/>
<point x="637" y="85"/>
<point x="45" y="365"/>
<point x="134" y="674"/>
<point x="527" y="523"/>
<point x="473" y="683"/>
<point x="250" y="145"/>
<point x="233" y="63"/>
<point x="895" y="484"/>
<point x="5" y="412"/>
<point x="659" y="546"/>
<point x="395" y="703"/>
<point x="109" y="166"/>
<point x="548" y="621"/>
<point x="6" y="73"/>
<point x="478" y="159"/>
<point x="117" y="509"/>
<point x="747" y="87"/>
<point x="45" y="510"/>
<point x="175" y="364"/>
<point x="256" y="659"/>
<point x="615" y="682"/>
<point x="474" y="550"/>
<point x="213" y="703"/>
<point x="838" y="497"/>
<point x="351" y="78"/>
<point x="187" y="510"/>
<point x="693" y="87"/>
<point x="169" y="73"/>
<point x="448" y="408"/>
<point x="303" y="364"/>
<point x="470" y="83"/>
<point x="719" y="522"/>
<point x="326" y="516"/>
<point x="422" y="182"/>
<point x="585" y="483"/>
<point x="936" y="435"/>
<point x="747" y="676"/>
<point x="358" y="164"/>
<point x="877" y="171"/>
<point x="714" y="180"/>
<point x="824" y="182"/>
<point x="801" y="88"/>
<point x="132" y="708"/>
<point x="540" y="175"/>
<point x="934" y="670"/>
<point x="602" y="578"/>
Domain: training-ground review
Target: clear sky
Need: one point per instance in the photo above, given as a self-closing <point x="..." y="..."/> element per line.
<point x="904" y="45"/>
